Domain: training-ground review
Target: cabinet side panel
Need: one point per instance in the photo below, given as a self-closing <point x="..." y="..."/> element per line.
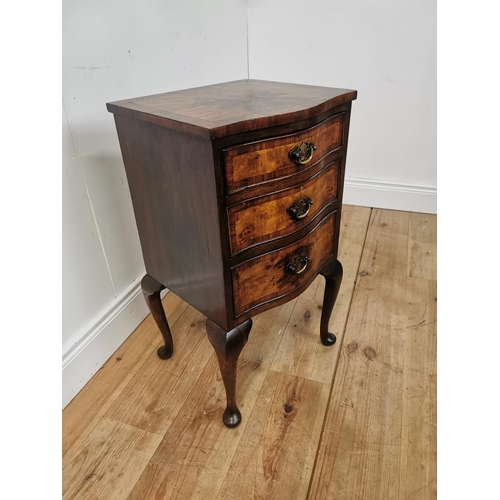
<point x="341" y="177"/>
<point x="172" y="185"/>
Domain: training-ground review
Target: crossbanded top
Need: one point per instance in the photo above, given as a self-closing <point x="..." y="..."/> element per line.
<point x="233" y="107"/>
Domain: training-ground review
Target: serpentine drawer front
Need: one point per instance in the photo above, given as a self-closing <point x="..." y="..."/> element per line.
<point x="263" y="160"/>
<point x="237" y="194"/>
<point x="277" y="214"/>
<point x="275" y="274"/>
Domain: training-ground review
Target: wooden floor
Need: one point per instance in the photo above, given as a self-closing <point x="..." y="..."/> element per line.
<point x="361" y="415"/>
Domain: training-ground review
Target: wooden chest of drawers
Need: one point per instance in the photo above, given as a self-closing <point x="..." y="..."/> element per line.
<point x="237" y="192"/>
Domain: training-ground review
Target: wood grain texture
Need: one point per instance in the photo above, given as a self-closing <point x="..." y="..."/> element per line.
<point x="150" y="401"/>
<point x="419" y="433"/>
<point x="178" y="173"/>
<point x="419" y="436"/>
<point x="422" y="248"/>
<point x="95" y="399"/>
<point x="333" y="274"/>
<point x="182" y="150"/>
<point x="151" y="290"/>
<point x="282" y="183"/>
<point x="265" y="278"/>
<point x="194" y="456"/>
<point x="109" y="462"/>
<point x="275" y="456"/>
<point x="228" y="347"/>
<point x="300" y="353"/>
<point x="188" y="444"/>
<point x="379" y="437"/>
<point x="173" y="190"/>
<point x="378" y="440"/>
<point x="233" y="107"/>
<point x="265" y="218"/>
<point x="268" y="159"/>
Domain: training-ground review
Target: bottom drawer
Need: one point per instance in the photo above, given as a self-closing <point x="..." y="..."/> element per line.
<point x="275" y="274"/>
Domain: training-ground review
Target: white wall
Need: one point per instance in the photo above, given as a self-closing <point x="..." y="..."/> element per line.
<point x="114" y="50"/>
<point x="386" y="50"/>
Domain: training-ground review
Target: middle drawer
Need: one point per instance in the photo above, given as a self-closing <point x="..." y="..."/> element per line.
<point x="281" y="213"/>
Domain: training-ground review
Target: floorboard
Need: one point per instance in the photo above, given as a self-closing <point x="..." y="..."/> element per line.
<point x="379" y="439"/>
<point x="93" y="401"/>
<point x="353" y="421"/>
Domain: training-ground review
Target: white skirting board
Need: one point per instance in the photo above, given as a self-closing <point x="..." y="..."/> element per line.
<point x="390" y="195"/>
<point x="97" y="342"/>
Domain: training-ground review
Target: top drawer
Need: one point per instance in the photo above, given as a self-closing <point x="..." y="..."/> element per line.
<point x="261" y="161"/>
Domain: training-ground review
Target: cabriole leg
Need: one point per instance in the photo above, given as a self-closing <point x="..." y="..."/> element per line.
<point x="151" y="290"/>
<point x="333" y="276"/>
<point x="228" y="346"/>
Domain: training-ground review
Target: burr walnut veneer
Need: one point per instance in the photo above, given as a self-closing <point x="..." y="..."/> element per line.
<point x="237" y="192"/>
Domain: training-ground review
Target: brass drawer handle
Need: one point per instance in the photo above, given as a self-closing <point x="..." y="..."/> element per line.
<point x="302" y="153"/>
<point x="298" y="264"/>
<point x="299" y="209"/>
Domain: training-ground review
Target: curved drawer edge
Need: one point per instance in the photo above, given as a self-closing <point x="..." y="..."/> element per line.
<point x="263" y="247"/>
<point x="250" y="290"/>
<point x="271" y="246"/>
<point x="250" y="164"/>
<point x="281" y="183"/>
<point x="282" y="299"/>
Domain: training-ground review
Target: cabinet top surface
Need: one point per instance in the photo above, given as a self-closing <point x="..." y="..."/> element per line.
<point x="233" y="107"/>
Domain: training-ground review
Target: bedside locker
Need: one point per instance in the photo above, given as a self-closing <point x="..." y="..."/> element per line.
<point x="237" y="193"/>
